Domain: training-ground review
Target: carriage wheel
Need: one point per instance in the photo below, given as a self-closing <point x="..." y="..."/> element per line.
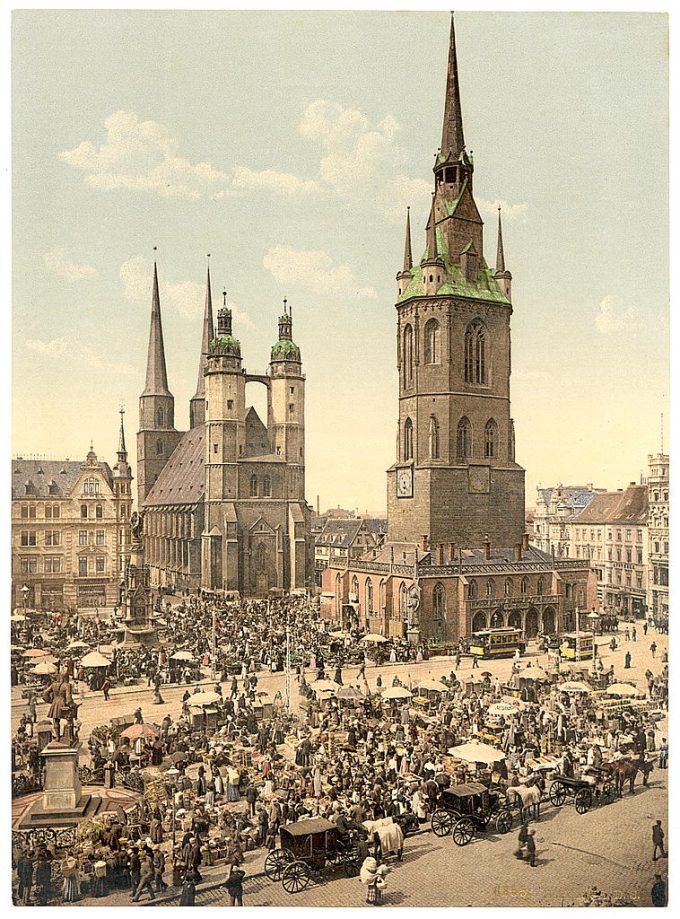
<point x="503" y="821"/>
<point x="463" y="831"/>
<point x="557" y="794"/>
<point x="442" y="822"/>
<point x="583" y="800"/>
<point x="608" y="793"/>
<point x="275" y="862"/>
<point x="295" y="877"/>
<point x="351" y="866"/>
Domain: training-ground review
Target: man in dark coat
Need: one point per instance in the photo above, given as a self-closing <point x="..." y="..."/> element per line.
<point x="25" y="876"/>
<point x="658" y="837"/>
<point x="659" y="891"/>
<point x="43" y="878"/>
<point x="234" y="884"/>
<point x="251" y="798"/>
<point x="531" y="848"/>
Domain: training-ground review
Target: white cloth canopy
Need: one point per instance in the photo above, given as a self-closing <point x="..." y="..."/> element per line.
<point x="374" y="638"/>
<point x="182" y="656"/>
<point x="396" y="692"/>
<point x="574" y="686"/>
<point x="475" y="752"/>
<point x="95" y="659"/>
<point x="204" y="698"/>
<point x="621" y="689"/>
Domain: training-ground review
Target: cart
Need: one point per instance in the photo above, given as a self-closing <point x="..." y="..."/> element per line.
<point x="598" y="789"/>
<point x="464" y="810"/>
<point x="309" y="848"/>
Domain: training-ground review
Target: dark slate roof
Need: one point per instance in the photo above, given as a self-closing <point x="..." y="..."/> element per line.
<point x="182" y="480"/>
<point x="376" y="525"/>
<point x="628" y="506"/>
<point x="49" y="478"/>
<point x="575" y="496"/>
<point x="500" y="556"/>
<point x="339" y="532"/>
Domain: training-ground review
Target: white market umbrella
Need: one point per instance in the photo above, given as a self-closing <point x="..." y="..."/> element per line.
<point x="374" y="638"/>
<point x="204" y="698"/>
<point x="621" y="689"/>
<point x="324" y="686"/>
<point x="574" y="686"/>
<point x="95" y="659"/>
<point x="44" y="668"/>
<point x="76" y="645"/>
<point x="593" y="615"/>
<point x="534" y="673"/>
<point x="502" y="708"/>
<point x="433" y="685"/>
<point x="396" y="692"/>
<point x="475" y="752"/>
<point x="182" y="656"/>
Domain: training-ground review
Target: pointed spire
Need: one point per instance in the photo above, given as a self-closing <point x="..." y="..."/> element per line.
<point x="122" y="449"/>
<point x="500" y="255"/>
<point x="156" y="374"/>
<point x="452" y="131"/>
<point x="207" y="337"/>
<point x="408" y="255"/>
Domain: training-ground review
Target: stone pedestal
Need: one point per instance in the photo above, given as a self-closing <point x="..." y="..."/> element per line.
<point x="62" y="802"/>
<point x="413" y="635"/>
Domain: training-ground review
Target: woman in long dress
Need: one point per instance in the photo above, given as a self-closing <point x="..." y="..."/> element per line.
<point x="71" y="887"/>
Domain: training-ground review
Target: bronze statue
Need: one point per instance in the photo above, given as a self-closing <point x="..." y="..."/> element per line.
<point x="137" y="525"/>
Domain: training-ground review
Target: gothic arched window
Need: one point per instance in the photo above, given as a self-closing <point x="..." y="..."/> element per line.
<point x="432" y="342"/>
<point x="381" y="596"/>
<point x="540" y="587"/>
<point x="355" y="588"/>
<point x="491" y="588"/>
<point x="159" y="417"/>
<point x="369" y="595"/>
<point x="475" y="353"/>
<point x="491" y="439"/>
<point x="408" y="439"/>
<point x="434" y="438"/>
<point x="261" y="556"/>
<point x="439" y="602"/>
<point x="472" y="590"/>
<point x="267" y="486"/>
<point x="508" y="587"/>
<point x="408" y="355"/>
<point x="253" y="486"/>
<point x="524" y="586"/>
<point x="464" y="448"/>
<point x="403" y="600"/>
<point x="159" y="448"/>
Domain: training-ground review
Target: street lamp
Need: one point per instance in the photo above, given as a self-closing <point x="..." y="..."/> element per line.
<point x="25" y="590"/>
<point x="172" y="775"/>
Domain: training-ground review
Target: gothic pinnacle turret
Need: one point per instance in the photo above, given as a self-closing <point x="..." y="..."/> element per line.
<point x="122" y="449"/>
<point x="197" y="403"/>
<point x="405" y="275"/>
<point x="502" y="276"/>
<point x="285" y="348"/>
<point x="156" y="374"/>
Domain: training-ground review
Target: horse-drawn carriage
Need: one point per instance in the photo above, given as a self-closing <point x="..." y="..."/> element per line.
<point x="464" y="810"/>
<point x="597" y="787"/>
<point x="308" y="849"/>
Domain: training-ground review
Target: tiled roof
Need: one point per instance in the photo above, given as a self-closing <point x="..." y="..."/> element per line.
<point x="49" y="478"/>
<point x="182" y="480"/>
<point x="626" y="506"/>
<point x="338" y="532"/>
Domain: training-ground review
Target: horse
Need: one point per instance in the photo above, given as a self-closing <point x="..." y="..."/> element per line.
<point x="528" y="797"/>
<point x="626" y="770"/>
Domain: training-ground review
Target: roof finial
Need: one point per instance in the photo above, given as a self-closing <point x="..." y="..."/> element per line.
<point x="224" y="298"/>
<point x="408" y="254"/>
<point x="500" y="255"/>
<point x="285" y="306"/>
<point x="662" y="432"/>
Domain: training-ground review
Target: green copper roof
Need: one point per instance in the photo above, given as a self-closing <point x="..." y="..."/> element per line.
<point x="225" y="344"/>
<point x="455" y="283"/>
<point x="286" y="350"/>
<point x="285" y="318"/>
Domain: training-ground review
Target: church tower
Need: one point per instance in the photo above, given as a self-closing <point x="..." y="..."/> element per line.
<point x="225" y="401"/>
<point x="197" y="403"/>
<point x="122" y="492"/>
<point x="286" y="411"/>
<point x="157" y="437"/>
<point x="455" y="480"/>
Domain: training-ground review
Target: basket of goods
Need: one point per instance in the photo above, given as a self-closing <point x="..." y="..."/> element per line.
<point x="69" y="867"/>
<point x="100" y="869"/>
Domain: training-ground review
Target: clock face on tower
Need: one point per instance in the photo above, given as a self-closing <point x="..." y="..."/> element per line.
<point x="405" y="483"/>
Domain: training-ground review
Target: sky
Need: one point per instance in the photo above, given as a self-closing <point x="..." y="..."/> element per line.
<point x="288" y="145"/>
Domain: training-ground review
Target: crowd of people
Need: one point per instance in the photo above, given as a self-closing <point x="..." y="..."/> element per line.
<point x="220" y="780"/>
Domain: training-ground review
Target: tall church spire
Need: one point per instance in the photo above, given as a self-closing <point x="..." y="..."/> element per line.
<point x="452" y="130"/>
<point x="122" y="449"/>
<point x="156" y="374"/>
<point x="500" y="255"/>
<point x="408" y="255"/>
<point x="196" y="405"/>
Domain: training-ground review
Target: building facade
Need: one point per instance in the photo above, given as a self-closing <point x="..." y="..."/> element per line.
<point x="611" y="532"/>
<point x="223" y="503"/>
<point x="456" y="557"/>
<point x="70" y="531"/>
<point x="344" y="539"/>
<point x="658" y="492"/>
<point x="554" y="509"/>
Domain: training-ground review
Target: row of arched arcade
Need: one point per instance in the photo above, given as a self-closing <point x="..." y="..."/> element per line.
<point x="531" y="621"/>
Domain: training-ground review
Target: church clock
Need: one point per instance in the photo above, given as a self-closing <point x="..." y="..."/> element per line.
<point x="405" y="483"/>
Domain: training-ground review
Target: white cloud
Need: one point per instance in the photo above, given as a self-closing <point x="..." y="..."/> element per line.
<point x="614" y="315"/>
<point x="314" y="269"/>
<point x="143" y="155"/>
<point x="58" y="263"/>
<point x="61" y="347"/>
<point x="508" y="211"/>
<point x="185" y="297"/>
<point x="402" y="192"/>
<point x="54" y="346"/>
<point x="281" y="183"/>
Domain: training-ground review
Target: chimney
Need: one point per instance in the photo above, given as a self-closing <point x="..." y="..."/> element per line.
<point x="518" y="552"/>
<point x="440" y="553"/>
<point x="487" y="548"/>
<point x="318" y="506"/>
<point x="452" y="551"/>
<point x="423" y="543"/>
<point x="525" y="542"/>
